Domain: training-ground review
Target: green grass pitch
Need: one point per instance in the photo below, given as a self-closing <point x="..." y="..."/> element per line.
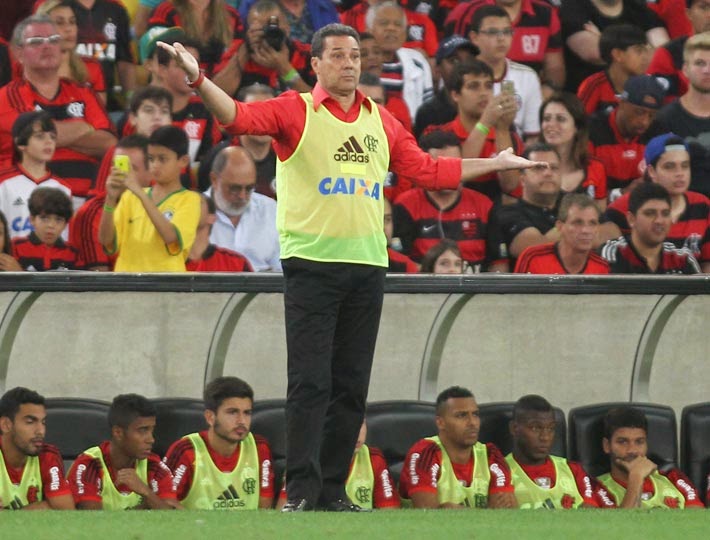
<point x="394" y="525"/>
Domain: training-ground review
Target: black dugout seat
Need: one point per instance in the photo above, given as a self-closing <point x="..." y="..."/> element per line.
<point x="695" y="444"/>
<point x="175" y="418"/>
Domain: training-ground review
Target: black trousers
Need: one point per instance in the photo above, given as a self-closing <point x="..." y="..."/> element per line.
<point x="332" y="318"/>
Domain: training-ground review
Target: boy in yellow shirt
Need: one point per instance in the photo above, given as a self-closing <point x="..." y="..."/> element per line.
<point x="152" y="229"/>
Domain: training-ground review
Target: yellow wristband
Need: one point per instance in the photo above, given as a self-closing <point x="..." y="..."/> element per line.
<point x="482" y="128"/>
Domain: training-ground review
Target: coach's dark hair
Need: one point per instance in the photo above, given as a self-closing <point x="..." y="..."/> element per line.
<point x="224" y="388"/>
<point x="170" y="137"/>
<point x="12" y="399"/>
<point x="623" y="417"/>
<point x="451" y="392"/>
<point x="125" y="408"/>
<point x="647" y="191"/>
<point x="532" y="403"/>
<point x="329" y="30"/>
<point x="48" y="200"/>
<point x="486" y="11"/>
<point x="619" y="36"/>
<point x="469" y="67"/>
<point x="152" y="93"/>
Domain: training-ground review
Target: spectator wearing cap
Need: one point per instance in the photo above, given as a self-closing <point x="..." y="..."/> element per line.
<point x="668" y="163"/>
<point x="618" y="137"/>
<point x="188" y="110"/>
<point x="689" y="116"/>
<point x="84" y="130"/>
<point x="441" y="108"/>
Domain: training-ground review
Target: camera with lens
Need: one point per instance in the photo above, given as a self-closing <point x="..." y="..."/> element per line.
<point x="273" y="35"/>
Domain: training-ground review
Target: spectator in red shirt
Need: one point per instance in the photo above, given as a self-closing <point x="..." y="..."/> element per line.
<point x="22" y="430"/>
<point x="124" y="465"/>
<point x="84" y="131"/>
<point x="44" y="249"/>
<point x="578" y="224"/>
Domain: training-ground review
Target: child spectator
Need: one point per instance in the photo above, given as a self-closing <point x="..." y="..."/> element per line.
<point x="44" y="249"/>
<point x="34" y="136"/>
<point x="152" y="229"/>
<point x="443" y="258"/>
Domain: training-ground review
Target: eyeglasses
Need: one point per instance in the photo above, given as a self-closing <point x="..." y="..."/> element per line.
<point x="495" y="32"/>
<point x="236" y="189"/>
<point x="36" y="41"/>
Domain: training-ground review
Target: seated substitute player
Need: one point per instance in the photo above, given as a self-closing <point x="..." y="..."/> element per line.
<point x="645" y="250"/>
<point x="634" y="481"/>
<point x="540" y="479"/>
<point x="122" y="473"/>
<point x="44" y="249"/>
<point x="152" y="229"/>
<point x="31" y="472"/>
<point x="369" y="483"/>
<point x="578" y="224"/>
<point x="225" y="467"/>
<point x="453" y="469"/>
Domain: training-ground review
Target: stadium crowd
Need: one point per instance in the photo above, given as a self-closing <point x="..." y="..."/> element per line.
<point x="110" y="159"/>
<point x="227" y="467"/>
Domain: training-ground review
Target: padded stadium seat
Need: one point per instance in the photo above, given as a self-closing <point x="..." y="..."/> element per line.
<point x="74" y="425"/>
<point x="175" y="418"/>
<point x="695" y="444"/>
<point x="269" y="420"/>
<point x="586" y="430"/>
<point x="394" y="426"/>
<point x="495" y="421"/>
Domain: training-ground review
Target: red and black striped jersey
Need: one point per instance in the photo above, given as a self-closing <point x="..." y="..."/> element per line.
<point x="667" y="66"/>
<point x="594" y="181"/>
<point x="420" y="224"/>
<point x="597" y="93"/>
<point x="35" y="256"/>
<point x="213" y="50"/>
<point x="537" y="30"/>
<point x="620" y="156"/>
<point x="690" y="231"/>
<point x="624" y="259"/>
<point x="488" y="183"/>
<point x="218" y="259"/>
<point x="73" y="102"/>
<point x="400" y="263"/>
<point x="84" y="234"/>
<point x="545" y="259"/>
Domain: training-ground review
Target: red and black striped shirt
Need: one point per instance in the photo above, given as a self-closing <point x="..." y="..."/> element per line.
<point x="597" y="93"/>
<point x="624" y="259"/>
<point x="36" y="256"/>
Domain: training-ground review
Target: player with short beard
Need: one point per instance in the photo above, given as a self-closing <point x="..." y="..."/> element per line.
<point x="224" y="467"/>
<point x="31" y="472"/>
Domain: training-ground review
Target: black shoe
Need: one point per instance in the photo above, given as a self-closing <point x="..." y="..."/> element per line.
<point x="343" y="506"/>
<point x="297" y="505"/>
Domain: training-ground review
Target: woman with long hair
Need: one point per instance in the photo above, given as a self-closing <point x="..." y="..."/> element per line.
<point x="82" y="70"/>
<point x="211" y="23"/>
<point x="563" y="124"/>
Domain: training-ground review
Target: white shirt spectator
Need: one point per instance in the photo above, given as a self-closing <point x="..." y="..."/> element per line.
<point x="527" y="93"/>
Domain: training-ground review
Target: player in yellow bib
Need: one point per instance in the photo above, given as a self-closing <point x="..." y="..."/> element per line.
<point x="542" y="480"/>
<point x="31" y="472"/>
<point x="225" y="467"/>
<point x="634" y="480"/>
<point x="334" y="147"/>
<point x="454" y="469"/>
<point x="122" y="473"/>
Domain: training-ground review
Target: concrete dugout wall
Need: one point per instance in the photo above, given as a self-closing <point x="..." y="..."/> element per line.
<point x="574" y="340"/>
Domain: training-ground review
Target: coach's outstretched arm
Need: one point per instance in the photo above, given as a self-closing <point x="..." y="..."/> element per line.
<point x="216" y="99"/>
<point x="504" y="161"/>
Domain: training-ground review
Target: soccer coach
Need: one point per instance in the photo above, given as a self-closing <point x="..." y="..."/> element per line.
<point x="334" y="148"/>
